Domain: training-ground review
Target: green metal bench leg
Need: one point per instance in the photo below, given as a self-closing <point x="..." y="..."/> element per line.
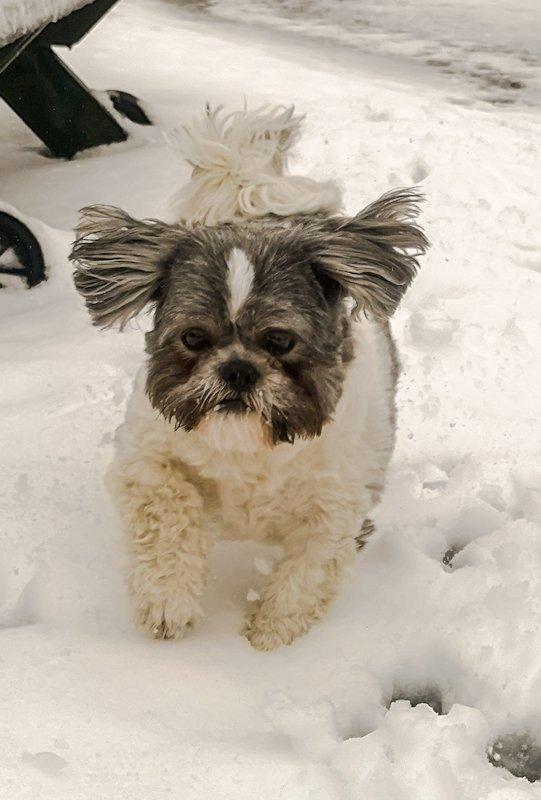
<point x="55" y="104"/>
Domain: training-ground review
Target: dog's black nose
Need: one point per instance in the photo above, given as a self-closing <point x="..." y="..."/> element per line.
<point x="239" y="375"/>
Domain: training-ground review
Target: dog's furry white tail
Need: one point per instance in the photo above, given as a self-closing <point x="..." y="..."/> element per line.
<point x="239" y="162"/>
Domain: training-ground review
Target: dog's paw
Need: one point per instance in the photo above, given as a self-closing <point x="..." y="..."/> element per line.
<point x="266" y="632"/>
<point x="167" y="619"/>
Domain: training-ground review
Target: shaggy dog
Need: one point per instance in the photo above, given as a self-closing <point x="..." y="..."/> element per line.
<point x="265" y="406"/>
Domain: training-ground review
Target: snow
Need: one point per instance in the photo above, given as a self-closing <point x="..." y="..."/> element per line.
<point x="18" y="17"/>
<point x="421" y="667"/>
<point x="491" y="47"/>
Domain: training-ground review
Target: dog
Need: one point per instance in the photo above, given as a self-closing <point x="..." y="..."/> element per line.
<point x="265" y="408"/>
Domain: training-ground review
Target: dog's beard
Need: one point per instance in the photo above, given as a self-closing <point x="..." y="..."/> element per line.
<point x="228" y="419"/>
<point x="269" y="414"/>
<point x="243" y="432"/>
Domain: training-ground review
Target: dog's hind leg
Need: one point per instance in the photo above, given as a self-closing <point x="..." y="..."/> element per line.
<point x="168" y="545"/>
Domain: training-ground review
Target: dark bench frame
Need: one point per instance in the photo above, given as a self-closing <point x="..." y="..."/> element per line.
<point x="47" y="96"/>
<point x="14" y="234"/>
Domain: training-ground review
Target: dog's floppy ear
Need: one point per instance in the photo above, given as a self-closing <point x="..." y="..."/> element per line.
<point x="373" y="256"/>
<point x="120" y="262"/>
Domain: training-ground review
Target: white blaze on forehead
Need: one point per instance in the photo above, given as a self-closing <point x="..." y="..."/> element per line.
<point x="240" y="278"/>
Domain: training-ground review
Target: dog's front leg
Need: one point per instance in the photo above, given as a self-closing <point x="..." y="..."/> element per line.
<point x="168" y="545"/>
<point x="318" y="552"/>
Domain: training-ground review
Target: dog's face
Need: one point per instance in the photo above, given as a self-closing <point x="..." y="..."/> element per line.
<point x="244" y="325"/>
<point x="251" y="321"/>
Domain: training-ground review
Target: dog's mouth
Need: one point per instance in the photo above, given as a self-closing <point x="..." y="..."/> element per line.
<point x="232" y="405"/>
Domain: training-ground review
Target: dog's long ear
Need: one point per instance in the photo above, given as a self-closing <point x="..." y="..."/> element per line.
<point x="120" y="262"/>
<point x="373" y="256"/>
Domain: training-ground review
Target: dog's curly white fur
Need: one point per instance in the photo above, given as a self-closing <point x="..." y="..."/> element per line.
<point x="239" y="165"/>
<point x="304" y="461"/>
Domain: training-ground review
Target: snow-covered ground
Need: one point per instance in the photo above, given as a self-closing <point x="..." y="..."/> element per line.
<point x="445" y="605"/>
<point x="487" y="50"/>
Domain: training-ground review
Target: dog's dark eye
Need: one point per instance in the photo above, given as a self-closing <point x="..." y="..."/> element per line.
<point x="278" y="343"/>
<point x="195" y="339"/>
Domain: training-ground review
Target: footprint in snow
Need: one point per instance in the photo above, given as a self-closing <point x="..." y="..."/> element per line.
<point x="45" y="761"/>
<point x="419" y="171"/>
<point x="449" y="556"/>
<point x="432" y="328"/>
<point x="519" y="754"/>
<point x="428" y="695"/>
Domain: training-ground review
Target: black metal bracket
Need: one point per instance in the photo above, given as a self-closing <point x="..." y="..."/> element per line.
<point x="55" y="104"/>
<point x="47" y="96"/>
<point x="28" y="256"/>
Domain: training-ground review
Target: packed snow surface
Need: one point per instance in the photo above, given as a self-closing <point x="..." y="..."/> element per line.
<point x="490" y="49"/>
<point x="424" y="680"/>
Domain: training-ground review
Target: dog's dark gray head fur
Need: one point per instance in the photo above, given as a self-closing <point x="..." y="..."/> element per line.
<point x="249" y="317"/>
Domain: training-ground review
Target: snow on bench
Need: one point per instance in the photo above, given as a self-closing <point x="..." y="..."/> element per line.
<point x="36" y="83"/>
<point x="19" y="17"/>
